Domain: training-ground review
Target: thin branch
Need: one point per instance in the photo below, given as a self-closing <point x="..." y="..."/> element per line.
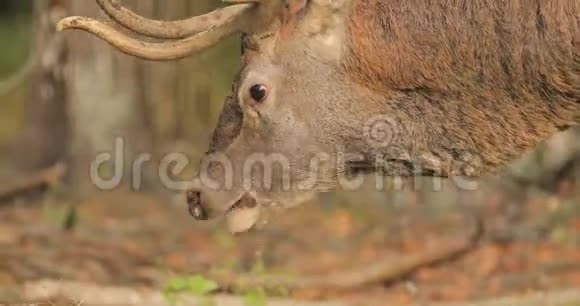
<point x="37" y="181"/>
<point x="385" y="270"/>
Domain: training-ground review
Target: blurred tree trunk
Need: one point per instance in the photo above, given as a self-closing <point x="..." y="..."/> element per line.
<point x="188" y="95"/>
<point x="44" y="139"/>
<point x="184" y="89"/>
<point x="86" y="95"/>
<point x="147" y="104"/>
<point x="107" y="96"/>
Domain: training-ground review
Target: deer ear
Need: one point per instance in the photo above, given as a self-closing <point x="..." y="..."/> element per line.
<point x="293" y="7"/>
<point x="324" y="22"/>
<point x="326" y="15"/>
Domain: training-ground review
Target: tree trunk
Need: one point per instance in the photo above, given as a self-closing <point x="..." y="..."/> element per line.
<point x="150" y="105"/>
<point x="87" y="97"/>
<point x="44" y="139"/>
<point x="106" y="101"/>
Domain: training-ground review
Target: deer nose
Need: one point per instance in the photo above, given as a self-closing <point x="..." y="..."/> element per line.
<point x="195" y="204"/>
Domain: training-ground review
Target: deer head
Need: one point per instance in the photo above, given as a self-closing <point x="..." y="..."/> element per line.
<point x="327" y="88"/>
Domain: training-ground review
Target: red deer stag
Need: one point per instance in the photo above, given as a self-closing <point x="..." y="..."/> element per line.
<point x="332" y="87"/>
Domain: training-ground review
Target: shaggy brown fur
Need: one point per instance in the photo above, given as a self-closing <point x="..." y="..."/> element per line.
<point x="503" y="74"/>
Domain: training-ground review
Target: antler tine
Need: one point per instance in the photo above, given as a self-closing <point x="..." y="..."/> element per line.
<point x="163" y="51"/>
<point x="245" y="16"/>
<point x="169" y="29"/>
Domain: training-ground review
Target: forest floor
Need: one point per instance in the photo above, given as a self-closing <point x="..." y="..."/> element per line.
<point x="141" y="241"/>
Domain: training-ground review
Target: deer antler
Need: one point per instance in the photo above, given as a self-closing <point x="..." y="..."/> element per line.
<point x="197" y="33"/>
<point x="163" y="51"/>
<point x="168" y="29"/>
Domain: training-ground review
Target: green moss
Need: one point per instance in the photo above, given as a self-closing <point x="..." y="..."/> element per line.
<point x="196" y="285"/>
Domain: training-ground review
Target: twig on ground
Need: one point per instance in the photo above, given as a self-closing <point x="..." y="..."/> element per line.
<point x="382" y="271"/>
<point x="38" y="181"/>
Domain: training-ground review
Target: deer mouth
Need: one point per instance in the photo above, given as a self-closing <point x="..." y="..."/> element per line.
<point x="244" y="215"/>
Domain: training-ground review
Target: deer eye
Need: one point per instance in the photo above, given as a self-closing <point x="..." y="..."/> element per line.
<point x="259" y="92"/>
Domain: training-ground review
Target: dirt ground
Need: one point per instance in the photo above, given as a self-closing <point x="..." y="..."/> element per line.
<point x="144" y="240"/>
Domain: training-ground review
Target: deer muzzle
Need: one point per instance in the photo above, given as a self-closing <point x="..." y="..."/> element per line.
<point x="242" y="215"/>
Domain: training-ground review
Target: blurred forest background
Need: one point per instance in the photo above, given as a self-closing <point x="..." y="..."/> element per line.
<point x="79" y="93"/>
<point x="65" y="98"/>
